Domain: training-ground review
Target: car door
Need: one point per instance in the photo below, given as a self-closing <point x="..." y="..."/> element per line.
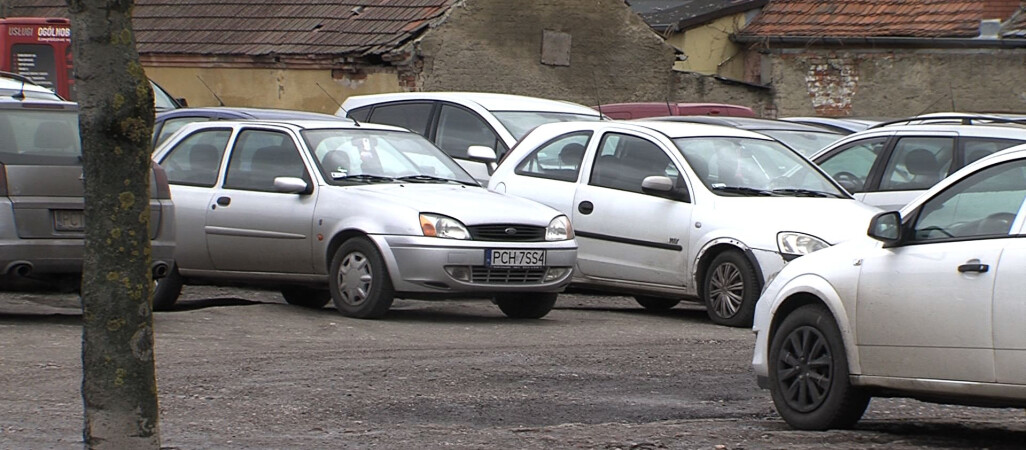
<point x="925" y="309"/>
<point x="624" y="233"/>
<point x="914" y="164"/>
<point x="852" y="164"/>
<point x="458" y="128"/>
<point x="250" y="225"/>
<point x="193" y="170"/>
<point x="550" y="172"/>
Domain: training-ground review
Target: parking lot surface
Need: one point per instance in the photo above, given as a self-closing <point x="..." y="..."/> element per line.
<point x="241" y="369"/>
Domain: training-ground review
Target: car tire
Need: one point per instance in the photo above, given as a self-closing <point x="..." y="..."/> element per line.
<point x="730" y="290"/>
<point x="527" y="305"/>
<point x="656" y="303"/>
<point x="808" y="373"/>
<point x="167" y="290"/>
<point x="360" y="284"/>
<point x="306" y="296"/>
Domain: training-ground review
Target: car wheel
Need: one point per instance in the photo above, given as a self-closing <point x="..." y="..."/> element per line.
<point x="808" y="373"/>
<point x="529" y="305"/>
<point x="306" y="296"/>
<point x="731" y="289"/>
<point x="656" y="303"/>
<point x="166" y="290"/>
<point x="360" y="284"/>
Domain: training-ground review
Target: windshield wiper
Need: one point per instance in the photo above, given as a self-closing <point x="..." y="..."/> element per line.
<point x="741" y="190"/>
<point x="806" y="193"/>
<point x="366" y="177"/>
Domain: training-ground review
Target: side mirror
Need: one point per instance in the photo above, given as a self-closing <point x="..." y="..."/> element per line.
<point x="291" y="185"/>
<point x="181" y="101"/>
<point x="481" y="153"/>
<point x="886" y="227"/>
<point x="663" y="186"/>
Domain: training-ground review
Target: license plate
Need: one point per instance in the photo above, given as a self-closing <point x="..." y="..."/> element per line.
<point x="514" y="258"/>
<point x="68" y="220"/>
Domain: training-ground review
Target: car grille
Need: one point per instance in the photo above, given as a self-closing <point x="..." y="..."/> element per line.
<point x="508" y="233"/>
<point x="481" y="274"/>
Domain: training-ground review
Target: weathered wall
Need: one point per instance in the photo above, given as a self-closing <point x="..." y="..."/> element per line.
<point x="896" y="83"/>
<point x="271" y="88"/>
<point x="497" y="45"/>
<point x="709" y="50"/>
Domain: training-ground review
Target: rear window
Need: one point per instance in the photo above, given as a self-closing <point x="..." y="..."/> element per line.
<point x="39" y="136"/>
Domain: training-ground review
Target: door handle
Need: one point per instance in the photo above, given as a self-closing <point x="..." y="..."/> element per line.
<point x="224" y="201"/>
<point x="973" y="267"/>
<point x="585" y="207"/>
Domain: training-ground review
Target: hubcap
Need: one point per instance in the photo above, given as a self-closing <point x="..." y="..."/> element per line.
<point x="726" y="290"/>
<point x="804" y="369"/>
<point x="354" y="278"/>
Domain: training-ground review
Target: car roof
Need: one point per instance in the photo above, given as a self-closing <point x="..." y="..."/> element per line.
<point x="246" y="113"/>
<point x="12" y="84"/>
<point x="982" y="130"/>
<point x="846" y="123"/>
<point x="486" y="100"/>
<point x="747" y="123"/>
<point x="668" y="128"/>
<point x="303" y="124"/>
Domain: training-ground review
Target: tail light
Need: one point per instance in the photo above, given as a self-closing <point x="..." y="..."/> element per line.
<point x="160" y="179"/>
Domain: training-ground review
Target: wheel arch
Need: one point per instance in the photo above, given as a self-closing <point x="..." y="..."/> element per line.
<point x="715" y="248"/>
<point x="337" y="240"/>
<point x="816" y="291"/>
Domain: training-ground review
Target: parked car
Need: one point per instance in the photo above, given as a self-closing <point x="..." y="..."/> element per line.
<point x="889" y="165"/>
<point x="163" y="100"/>
<point x="354" y="213"/>
<point x="640" y="110"/>
<point x="167" y="122"/>
<point x="929" y="305"/>
<point x="843" y="125"/>
<point x="671" y="211"/>
<point x="806" y="139"/>
<point x="457" y="122"/>
<point x="42" y="226"/>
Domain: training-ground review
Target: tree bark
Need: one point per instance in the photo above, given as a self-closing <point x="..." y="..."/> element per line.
<point x="119" y="388"/>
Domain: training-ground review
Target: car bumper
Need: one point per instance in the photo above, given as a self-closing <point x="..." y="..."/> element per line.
<point x="42" y="257"/>
<point x="432" y="265"/>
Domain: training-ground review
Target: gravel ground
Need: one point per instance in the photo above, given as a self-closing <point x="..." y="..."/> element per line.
<point x="238" y="369"/>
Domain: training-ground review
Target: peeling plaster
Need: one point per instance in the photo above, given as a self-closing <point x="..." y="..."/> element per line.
<point x="832" y="84"/>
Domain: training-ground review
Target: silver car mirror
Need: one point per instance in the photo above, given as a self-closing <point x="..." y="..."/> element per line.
<point x="290" y="185"/>
<point x="886" y="227"/>
<point x="657" y="183"/>
<point x="481" y="153"/>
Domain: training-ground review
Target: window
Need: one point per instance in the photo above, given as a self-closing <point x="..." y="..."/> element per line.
<point x="851" y="165"/>
<point x="459" y="128"/>
<point x="623" y="161"/>
<point x="359" y="114"/>
<point x="976" y="148"/>
<point x="172" y="125"/>
<point x="196" y="160"/>
<point x="260" y="156"/>
<point x="412" y="116"/>
<point x="917" y="163"/>
<point x="983" y="204"/>
<point x="560" y="159"/>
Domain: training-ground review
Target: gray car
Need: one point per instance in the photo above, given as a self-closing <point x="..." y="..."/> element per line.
<point x="41" y="193"/>
<point x="355" y="213"/>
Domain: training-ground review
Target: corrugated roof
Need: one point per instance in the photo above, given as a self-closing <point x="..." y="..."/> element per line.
<point x="1015" y="27"/>
<point x="267" y="27"/>
<point x="867" y="18"/>
<point x="678" y="15"/>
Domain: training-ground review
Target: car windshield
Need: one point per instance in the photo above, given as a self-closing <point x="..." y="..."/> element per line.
<point x="747" y="166"/>
<point x="520" y="122"/>
<point x="353" y="156"/>
<point x="39" y="136"/>
<point x="806" y="142"/>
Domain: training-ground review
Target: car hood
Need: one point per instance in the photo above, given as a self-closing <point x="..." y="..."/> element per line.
<point x="471" y="205"/>
<point x="831" y="219"/>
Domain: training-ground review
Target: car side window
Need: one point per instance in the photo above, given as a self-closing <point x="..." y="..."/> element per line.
<point x="259" y="156"/>
<point x="560" y="159"/>
<point x="974" y="148"/>
<point x="917" y="163"/>
<point x="171" y="125"/>
<point x="852" y="164"/>
<point x="623" y="161"/>
<point x="983" y="204"/>
<point x="359" y="114"/>
<point x="196" y="160"/>
<point x="460" y="128"/>
<point x="412" y="116"/>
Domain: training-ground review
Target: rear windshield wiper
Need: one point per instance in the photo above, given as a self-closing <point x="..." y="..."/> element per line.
<point x="806" y="193"/>
<point x="741" y="190"/>
<point x="431" y="178"/>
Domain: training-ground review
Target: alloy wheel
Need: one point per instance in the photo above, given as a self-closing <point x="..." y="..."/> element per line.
<point x="804" y="368"/>
<point x="727" y="290"/>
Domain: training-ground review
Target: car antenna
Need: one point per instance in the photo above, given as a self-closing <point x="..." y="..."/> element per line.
<point x="336" y="102"/>
<point x="219" y="102"/>
<point x="669" y="109"/>
<point x="21" y="92"/>
<point x="597" y="97"/>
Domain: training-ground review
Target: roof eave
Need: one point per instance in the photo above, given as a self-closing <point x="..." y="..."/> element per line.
<point x="882" y="40"/>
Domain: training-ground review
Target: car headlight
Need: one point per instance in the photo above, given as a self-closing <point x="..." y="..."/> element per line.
<point x="435" y="225"/>
<point x="559" y="229"/>
<point x="793" y="244"/>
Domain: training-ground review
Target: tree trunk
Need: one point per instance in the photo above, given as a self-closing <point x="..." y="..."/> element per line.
<point x="119" y="387"/>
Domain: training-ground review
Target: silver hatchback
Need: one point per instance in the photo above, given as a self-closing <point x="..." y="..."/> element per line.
<point x="355" y="213"/>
